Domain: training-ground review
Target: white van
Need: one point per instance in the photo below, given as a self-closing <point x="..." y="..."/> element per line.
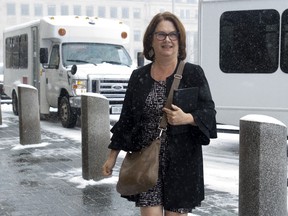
<point x="65" y="56"/>
<point x="244" y="53"/>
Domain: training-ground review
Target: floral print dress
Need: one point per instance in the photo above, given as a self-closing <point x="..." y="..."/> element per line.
<point x="151" y="118"/>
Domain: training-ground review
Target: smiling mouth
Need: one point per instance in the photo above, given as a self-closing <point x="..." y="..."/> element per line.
<point x="167" y="46"/>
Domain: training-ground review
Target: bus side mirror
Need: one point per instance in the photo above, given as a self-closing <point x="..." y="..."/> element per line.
<point x="43" y="55"/>
<point x="74" y="69"/>
<point x="140" y="59"/>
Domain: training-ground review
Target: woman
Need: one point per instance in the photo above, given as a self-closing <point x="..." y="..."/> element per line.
<point x="180" y="186"/>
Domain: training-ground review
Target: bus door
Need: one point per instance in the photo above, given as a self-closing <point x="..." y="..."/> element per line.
<point x="35" y="57"/>
<point x="52" y="76"/>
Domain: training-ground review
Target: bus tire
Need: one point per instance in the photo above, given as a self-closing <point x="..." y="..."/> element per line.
<point x="15" y="104"/>
<point x="67" y="114"/>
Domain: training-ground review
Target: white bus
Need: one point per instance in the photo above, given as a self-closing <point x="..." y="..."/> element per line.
<point x="244" y="53"/>
<point x="65" y="56"/>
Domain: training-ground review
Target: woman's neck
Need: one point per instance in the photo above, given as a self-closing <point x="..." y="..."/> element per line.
<point x="160" y="70"/>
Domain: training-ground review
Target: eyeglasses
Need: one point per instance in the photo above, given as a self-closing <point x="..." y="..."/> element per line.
<point x="173" y="36"/>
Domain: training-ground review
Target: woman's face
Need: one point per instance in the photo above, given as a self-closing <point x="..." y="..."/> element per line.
<point x="163" y="45"/>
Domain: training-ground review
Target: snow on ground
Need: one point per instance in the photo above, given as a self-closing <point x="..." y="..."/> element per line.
<point x="216" y="176"/>
<point x="221" y="158"/>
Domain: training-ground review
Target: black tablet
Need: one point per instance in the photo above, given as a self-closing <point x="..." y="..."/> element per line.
<point x="186" y="98"/>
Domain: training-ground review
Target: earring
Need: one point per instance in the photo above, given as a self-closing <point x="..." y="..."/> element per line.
<point x="151" y="52"/>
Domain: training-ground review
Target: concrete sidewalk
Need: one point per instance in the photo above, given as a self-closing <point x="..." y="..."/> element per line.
<point x="46" y="180"/>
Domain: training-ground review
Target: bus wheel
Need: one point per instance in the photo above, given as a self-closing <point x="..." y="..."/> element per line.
<point x="68" y="115"/>
<point x="15" y="104"/>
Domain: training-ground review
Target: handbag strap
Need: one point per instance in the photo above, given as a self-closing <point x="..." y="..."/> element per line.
<point x="175" y="84"/>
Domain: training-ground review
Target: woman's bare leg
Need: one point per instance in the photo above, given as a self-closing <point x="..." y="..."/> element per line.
<point x="151" y="211"/>
<point x="169" y="213"/>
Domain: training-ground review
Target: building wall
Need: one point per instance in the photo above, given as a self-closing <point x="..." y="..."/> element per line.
<point x="135" y="13"/>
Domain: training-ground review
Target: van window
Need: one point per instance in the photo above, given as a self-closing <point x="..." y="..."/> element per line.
<point x="8" y="52"/>
<point x="16" y="51"/>
<point x="55" y="57"/>
<point x="94" y="53"/>
<point x="249" y="41"/>
<point x="23" y="51"/>
<point x="284" y="42"/>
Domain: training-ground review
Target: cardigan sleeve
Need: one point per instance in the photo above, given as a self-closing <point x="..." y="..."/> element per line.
<point x="127" y="131"/>
<point x="123" y="128"/>
<point x="205" y="114"/>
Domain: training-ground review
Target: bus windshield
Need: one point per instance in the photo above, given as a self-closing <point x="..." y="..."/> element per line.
<point x="94" y="53"/>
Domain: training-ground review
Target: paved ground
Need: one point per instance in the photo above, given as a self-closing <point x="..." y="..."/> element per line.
<point x="46" y="180"/>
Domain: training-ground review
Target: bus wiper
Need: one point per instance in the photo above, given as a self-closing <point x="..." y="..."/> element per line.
<point x="115" y="62"/>
<point x="80" y="61"/>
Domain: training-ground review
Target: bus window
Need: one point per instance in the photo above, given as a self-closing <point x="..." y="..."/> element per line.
<point x="23" y="51"/>
<point x="15" y="52"/>
<point x="8" y="52"/>
<point x="55" y="57"/>
<point x="249" y="41"/>
<point x="284" y="42"/>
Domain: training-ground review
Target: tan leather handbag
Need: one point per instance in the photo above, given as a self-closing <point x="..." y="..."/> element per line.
<point x="139" y="170"/>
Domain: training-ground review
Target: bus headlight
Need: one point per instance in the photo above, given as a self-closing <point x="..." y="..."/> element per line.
<point x="79" y="87"/>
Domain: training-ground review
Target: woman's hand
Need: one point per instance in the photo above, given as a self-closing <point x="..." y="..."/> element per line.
<point x="176" y="116"/>
<point x="108" y="166"/>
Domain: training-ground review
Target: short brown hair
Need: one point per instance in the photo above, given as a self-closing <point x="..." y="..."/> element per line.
<point x="148" y="36"/>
